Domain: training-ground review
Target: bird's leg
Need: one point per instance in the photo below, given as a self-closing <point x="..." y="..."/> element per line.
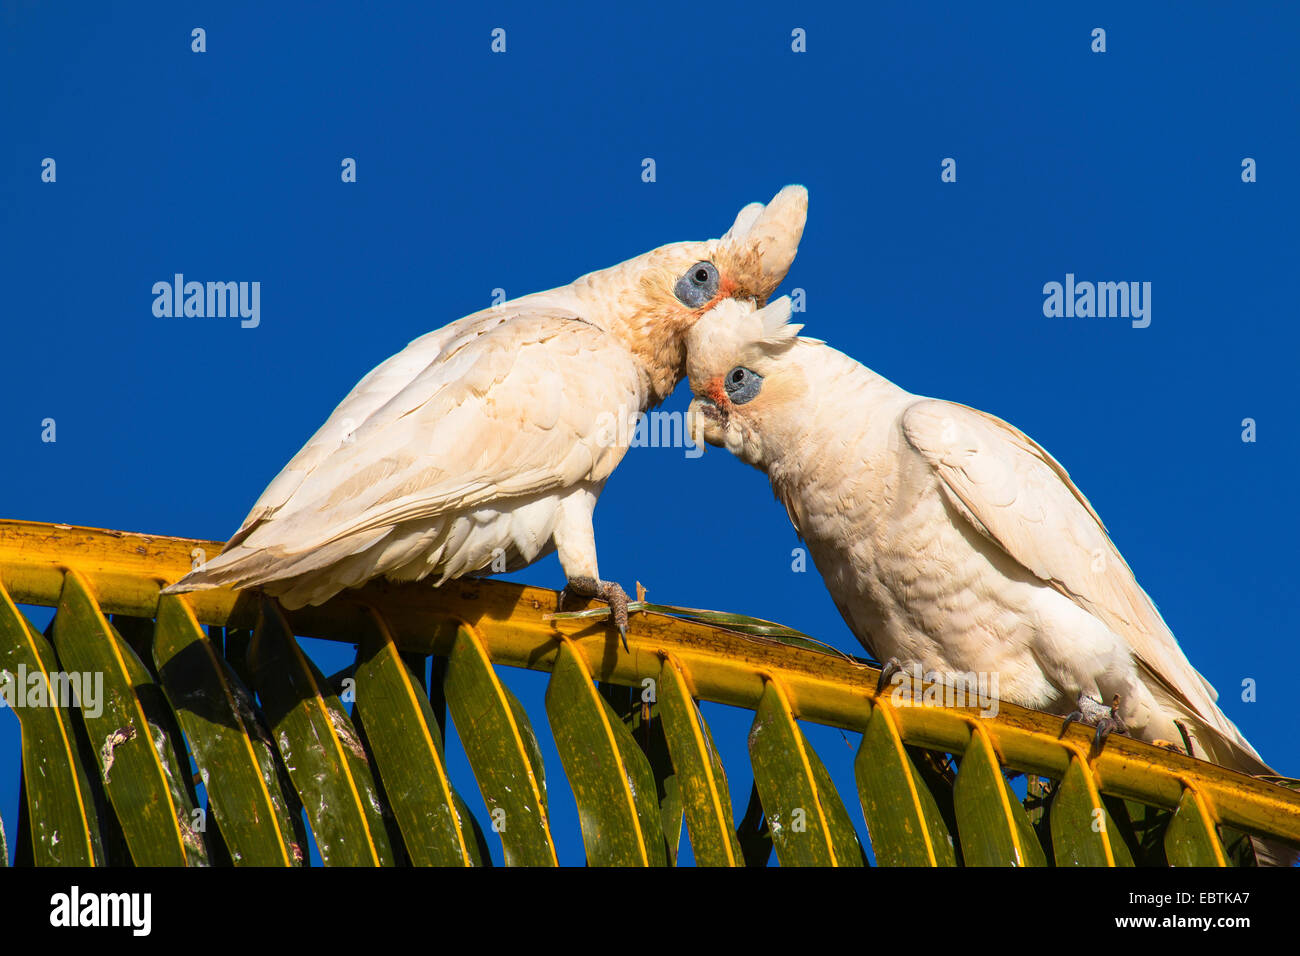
<point x="892" y="667"/>
<point x="575" y="543"/>
<point x="1094" y="713"/>
<point x="608" y="591"/>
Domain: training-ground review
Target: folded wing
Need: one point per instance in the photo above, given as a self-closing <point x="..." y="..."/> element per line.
<point x="495" y="406"/>
<point x="1020" y="498"/>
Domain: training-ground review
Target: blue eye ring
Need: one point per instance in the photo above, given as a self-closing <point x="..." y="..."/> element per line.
<point x="742" y="385"/>
<point x="698" y="285"/>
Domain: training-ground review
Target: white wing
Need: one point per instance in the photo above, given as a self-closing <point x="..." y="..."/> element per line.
<point x="1018" y="496"/>
<point x="497" y="405"/>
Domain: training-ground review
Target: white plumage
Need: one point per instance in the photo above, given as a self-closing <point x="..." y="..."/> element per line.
<point x="481" y="445"/>
<point x="947" y="537"/>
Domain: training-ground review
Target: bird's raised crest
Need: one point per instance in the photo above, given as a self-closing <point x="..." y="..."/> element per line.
<point x="771" y="329"/>
<point x="777" y="329"/>
<point x="745" y="220"/>
<point x="771" y="233"/>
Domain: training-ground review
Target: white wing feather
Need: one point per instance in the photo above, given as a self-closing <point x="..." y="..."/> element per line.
<point x="1019" y="497"/>
<point x="499" y="405"/>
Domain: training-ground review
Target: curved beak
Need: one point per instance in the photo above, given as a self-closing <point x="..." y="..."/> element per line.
<point x="705" y="422"/>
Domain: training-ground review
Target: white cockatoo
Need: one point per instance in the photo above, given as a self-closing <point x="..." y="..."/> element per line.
<point x="483" y="446"/>
<point x="947" y="538"/>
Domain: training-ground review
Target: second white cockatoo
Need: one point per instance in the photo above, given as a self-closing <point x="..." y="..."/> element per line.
<point x="484" y="445"/>
<point x="947" y="538"/>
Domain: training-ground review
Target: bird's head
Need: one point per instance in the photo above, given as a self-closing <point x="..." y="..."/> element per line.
<point x="747" y="388"/>
<point x="652" y="300"/>
<point x="747" y="263"/>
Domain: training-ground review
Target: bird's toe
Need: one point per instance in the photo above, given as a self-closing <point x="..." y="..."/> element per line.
<point x="1105" y="720"/>
<point x="892" y="667"/>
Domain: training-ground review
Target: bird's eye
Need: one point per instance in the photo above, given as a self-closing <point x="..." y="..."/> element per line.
<point x="698" y="285"/>
<point x="742" y="385"/>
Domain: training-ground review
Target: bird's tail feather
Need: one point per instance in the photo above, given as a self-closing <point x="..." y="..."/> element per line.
<point x="233" y="567"/>
<point x="248" y="567"/>
<point x="1211" y="737"/>
<point x="1222" y="743"/>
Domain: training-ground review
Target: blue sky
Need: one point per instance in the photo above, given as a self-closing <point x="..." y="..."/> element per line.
<point x="522" y="170"/>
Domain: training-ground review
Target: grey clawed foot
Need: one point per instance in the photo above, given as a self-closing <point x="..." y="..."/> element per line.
<point x="1094" y="713"/>
<point x="892" y="667"/>
<point x="608" y="591"/>
<point x="1104" y="728"/>
<point x="613" y="595"/>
